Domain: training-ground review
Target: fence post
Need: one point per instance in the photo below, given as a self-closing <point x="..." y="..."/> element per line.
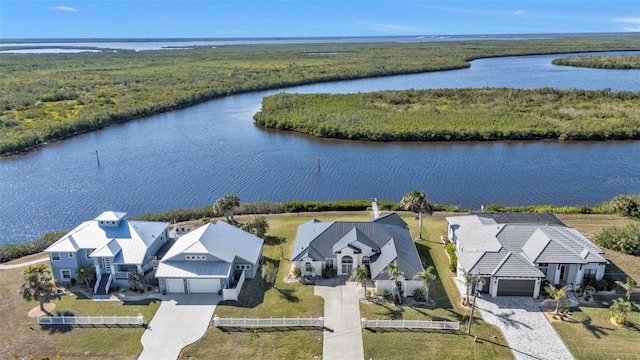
<point x="216" y="321"/>
<point x="321" y="322"/>
<point x="140" y="319"/>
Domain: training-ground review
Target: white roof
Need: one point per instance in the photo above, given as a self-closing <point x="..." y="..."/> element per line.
<point x="476" y="233"/>
<point x="221" y="240"/>
<point x="111" y="216"/>
<point x="128" y="241"/>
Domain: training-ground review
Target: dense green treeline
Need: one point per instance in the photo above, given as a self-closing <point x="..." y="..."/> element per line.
<point x="458" y="114"/>
<point x="45" y="97"/>
<point x="601" y="62"/>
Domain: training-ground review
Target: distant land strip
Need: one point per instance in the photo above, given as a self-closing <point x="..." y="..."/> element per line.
<point x="458" y="114"/>
<point x="49" y="97"/>
<point x="620" y="62"/>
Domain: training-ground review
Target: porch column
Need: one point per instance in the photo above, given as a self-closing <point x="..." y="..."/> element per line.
<point x="579" y="276"/>
<point x="536" y="290"/>
<point x="494" y="287"/>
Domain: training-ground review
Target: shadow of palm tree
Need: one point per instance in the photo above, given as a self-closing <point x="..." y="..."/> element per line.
<point x="271" y="240"/>
<point x="394" y="313"/>
<point x="59" y="329"/>
<point x="288" y="294"/>
<point x="595" y="330"/>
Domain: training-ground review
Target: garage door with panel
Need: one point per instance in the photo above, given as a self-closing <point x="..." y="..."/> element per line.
<point x="175" y="286"/>
<point x="516" y="287"/>
<point x="197" y="286"/>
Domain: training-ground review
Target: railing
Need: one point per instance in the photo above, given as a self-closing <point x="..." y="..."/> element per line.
<point x="106" y="287"/>
<point x="91" y="320"/>
<point x="122" y="274"/>
<point x="411" y="324"/>
<point x="232" y="294"/>
<point x="153" y="263"/>
<point x="267" y="323"/>
<point x="97" y="285"/>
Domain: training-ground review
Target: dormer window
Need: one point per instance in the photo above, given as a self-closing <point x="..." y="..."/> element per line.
<point x="195" y="257"/>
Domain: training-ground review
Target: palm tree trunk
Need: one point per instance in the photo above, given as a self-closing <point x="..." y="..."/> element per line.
<point x="420" y="221"/>
<point x="426" y="294"/>
<point x="41" y="300"/>
<point x="364" y="283"/>
<point x="557" y="308"/>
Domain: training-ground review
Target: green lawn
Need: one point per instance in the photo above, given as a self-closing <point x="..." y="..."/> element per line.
<point x="16" y="337"/>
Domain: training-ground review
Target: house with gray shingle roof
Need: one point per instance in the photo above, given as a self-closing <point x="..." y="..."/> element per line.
<point x="345" y="245"/>
<point x="514" y="253"/>
<point x="116" y="247"/>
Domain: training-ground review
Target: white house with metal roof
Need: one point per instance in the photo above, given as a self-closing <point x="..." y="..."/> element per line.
<point x="114" y="245"/>
<point x="210" y="259"/>
<point x="345" y="245"/>
<point x="514" y="253"/>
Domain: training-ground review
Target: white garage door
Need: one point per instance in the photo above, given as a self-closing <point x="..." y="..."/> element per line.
<point x="175" y="286"/>
<point x="203" y="285"/>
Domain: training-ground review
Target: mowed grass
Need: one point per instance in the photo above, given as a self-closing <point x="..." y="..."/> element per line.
<point x="16" y="337"/>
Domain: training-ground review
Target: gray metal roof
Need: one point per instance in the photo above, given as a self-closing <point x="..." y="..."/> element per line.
<point x="316" y="240"/>
<point x="521" y="218"/>
<point x="193" y="268"/>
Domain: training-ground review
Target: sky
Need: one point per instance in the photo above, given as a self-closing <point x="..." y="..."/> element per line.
<point x="309" y="18"/>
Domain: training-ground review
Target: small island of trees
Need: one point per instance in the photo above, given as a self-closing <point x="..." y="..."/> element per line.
<point x="601" y="62"/>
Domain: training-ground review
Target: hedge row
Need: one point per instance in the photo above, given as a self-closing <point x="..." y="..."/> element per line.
<point x="15" y="251"/>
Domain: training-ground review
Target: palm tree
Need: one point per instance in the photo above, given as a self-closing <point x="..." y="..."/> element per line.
<point x="37" y="285"/>
<point x="86" y="274"/>
<point x="395" y="274"/>
<point x="427" y="277"/>
<point x="629" y="286"/>
<point x="558" y="296"/>
<point x="227" y="206"/>
<point x="136" y="280"/>
<point x="416" y="201"/>
<point x="468" y="279"/>
<point x="620" y="310"/>
<point x="360" y="276"/>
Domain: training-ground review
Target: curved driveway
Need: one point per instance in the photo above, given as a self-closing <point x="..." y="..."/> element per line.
<point x="180" y="321"/>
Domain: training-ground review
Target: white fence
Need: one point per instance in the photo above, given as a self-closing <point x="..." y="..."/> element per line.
<point x="411" y="324"/>
<point x="232" y="294"/>
<point x="91" y="320"/>
<point x="266" y="323"/>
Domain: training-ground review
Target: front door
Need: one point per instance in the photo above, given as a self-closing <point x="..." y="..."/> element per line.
<point x="347" y="265"/>
<point x="563" y="274"/>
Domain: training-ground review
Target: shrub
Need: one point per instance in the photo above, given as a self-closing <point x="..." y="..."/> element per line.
<point x="418" y="294"/>
<point x="383" y="293"/>
<point x="15" y="251"/>
<point x="625" y="239"/>
<point x="328" y="273"/>
<point x="297" y="272"/>
<point x="453" y="259"/>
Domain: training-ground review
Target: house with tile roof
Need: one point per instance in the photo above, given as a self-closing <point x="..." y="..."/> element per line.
<point x="210" y="259"/>
<point x="515" y="253"/>
<point x="345" y="245"/>
<point x="116" y="247"/>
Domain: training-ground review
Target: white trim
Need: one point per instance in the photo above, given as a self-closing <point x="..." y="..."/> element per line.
<point x="62" y="275"/>
<point x="55" y="253"/>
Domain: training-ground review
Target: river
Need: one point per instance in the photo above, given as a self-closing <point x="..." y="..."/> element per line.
<point x="193" y="156"/>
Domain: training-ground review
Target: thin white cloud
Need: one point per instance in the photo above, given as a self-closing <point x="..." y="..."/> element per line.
<point x="629" y="23"/>
<point x="387" y="27"/>
<point x="518" y="12"/>
<point x="64" y="8"/>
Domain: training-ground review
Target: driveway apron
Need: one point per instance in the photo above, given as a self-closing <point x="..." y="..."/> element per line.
<point x="343" y="332"/>
<point x="524" y="326"/>
<point x="180" y="321"/>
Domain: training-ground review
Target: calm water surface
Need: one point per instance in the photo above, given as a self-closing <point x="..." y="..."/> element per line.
<point x="193" y="156"/>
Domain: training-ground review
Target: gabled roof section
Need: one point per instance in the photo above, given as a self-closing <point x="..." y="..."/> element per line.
<point x="355" y="239"/>
<point x="536" y="245"/>
<point x="390" y="219"/>
<point x="514" y="266"/>
<point x="220" y="240"/>
<point x="306" y="233"/>
<point x="387" y="255"/>
<point x="109" y="250"/>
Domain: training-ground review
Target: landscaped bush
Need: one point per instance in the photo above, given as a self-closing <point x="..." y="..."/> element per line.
<point x="297" y="272"/>
<point x="453" y="259"/>
<point x="15" y="251"/>
<point x="329" y="273"/>
<point x="625" y="239"/>
<point x="383" y="293"/>
<point x="418" y="294"/>
<point x="604" y="284"/>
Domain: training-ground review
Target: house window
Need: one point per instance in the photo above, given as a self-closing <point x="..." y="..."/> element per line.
<point x="55" y="256"/>
<point x="88" y="252"/>
<point x="543" y="267"/>
<point x="196" y="257"/>
<point x="243" y="267"/>
<point x="589" y="273"/>
<point x="308" y="267"/>
<point x="71" y="255"/>
<point x="329" y="263"/>
<point x="347" y="265"/>
<point x="65" y="275"/>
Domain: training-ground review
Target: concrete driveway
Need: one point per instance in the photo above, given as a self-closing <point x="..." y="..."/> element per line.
<point x="524" y="326"/>
<point x="180" y="321"/>
<point x="343" y="332"/>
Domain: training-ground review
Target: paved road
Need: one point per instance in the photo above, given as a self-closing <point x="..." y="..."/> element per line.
<point x="343" y="332"/>
<point x="14" y="266"/>
<point x="524" y="326"/>
<point x="178" y="322"/>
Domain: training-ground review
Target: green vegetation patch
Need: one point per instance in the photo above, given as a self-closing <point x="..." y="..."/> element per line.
<point x="601" y="62"/>
<point x="47" y="97"/>
<point x="457" y="114"/>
